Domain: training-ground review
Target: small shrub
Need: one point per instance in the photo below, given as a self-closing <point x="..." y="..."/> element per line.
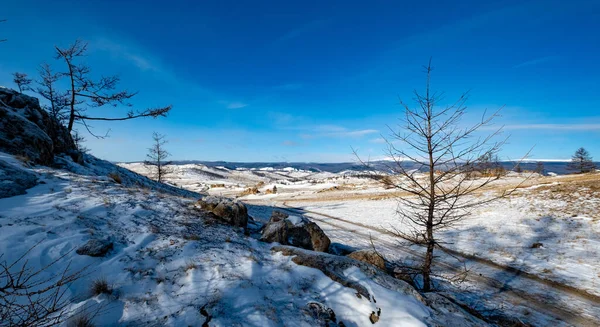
<point x="189" y="264"/>
<point x="81" y="320"/>
<point x="100" y="286"/>
<point x="23" y="158"/>
<point x="116" y="177"/>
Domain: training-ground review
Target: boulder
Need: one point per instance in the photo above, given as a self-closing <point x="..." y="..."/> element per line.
<point x="95" y="248"/>
<point x="370" y="257"/>
<point x="323" y="315"/>
<point x="341" y="249"/>
<point x="230" y="211"/>
<point x="14" y="181"/>
<point x="28" y="130"/>
<point x="295" y="231"/>
<point x="537" y="245"/>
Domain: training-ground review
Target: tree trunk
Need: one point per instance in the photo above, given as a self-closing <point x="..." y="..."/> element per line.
<point x="427" y="264"/>
<point x="72" y="115"/>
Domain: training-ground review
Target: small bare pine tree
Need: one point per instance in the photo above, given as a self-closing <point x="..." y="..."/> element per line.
<point x="47" y="89"/>
<point x="22" y="81"/>
<point x="434" y="161"/>
<point x="581" y="162"/>
<point x="157" y="158"/>
<point x="85" y="92"/>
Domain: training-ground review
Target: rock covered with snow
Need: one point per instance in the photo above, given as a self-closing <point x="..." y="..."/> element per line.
<point x="295" y="231"/>
<point x="370" y="257"/>
<point x="27" y="130"/>
<point x="230" y="211"/>
<point x="95" y="248"/>
<point x="14" y="181"/>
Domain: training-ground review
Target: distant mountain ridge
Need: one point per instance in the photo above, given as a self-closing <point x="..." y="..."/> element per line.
<point x="557" y="167"/>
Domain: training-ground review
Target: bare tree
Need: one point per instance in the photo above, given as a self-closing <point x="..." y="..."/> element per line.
<point x="518" y="168"/>
<point x="48" y="90"/>
<point x="157" y="156"/>
<point x="539" y="168"/>
<point x="434" y="160"/>
<point x="29" y="299"/>
<point x="22" y="81"/>
<point x="581" y="162"/>
<point x="85" y="92"/>
<point x="78" y="139"/>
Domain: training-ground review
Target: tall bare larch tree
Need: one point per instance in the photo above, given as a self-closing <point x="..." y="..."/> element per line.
<point x="434" y="160"/>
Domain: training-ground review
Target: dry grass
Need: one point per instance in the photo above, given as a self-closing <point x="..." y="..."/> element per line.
<point x="101" y="286"/>
<point x="80" y="320"/>
<point x="116" y="177"/>
<point x="24" y="159"/>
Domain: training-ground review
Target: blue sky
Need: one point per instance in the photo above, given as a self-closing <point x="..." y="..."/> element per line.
<point x="308" y="80"/>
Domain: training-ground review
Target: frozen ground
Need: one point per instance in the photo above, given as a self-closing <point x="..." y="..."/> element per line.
<point x="560" y="212"/>
<point x="173" y="266"/>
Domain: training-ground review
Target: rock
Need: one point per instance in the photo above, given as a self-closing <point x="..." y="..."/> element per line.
<point x="341" y="249"/>
<point x="28" y="130"/>
<point x="335" y="267"/>
<point x="295" y="231"/>
<point x="324" y="315"/>
<point x="370" y="257"/>
<point x="95" y="248"/>
<point x="14" y="181"/>
<point x="230" y="211"/>
<point x="537" y="245"/>
<point x="374" y="317"/>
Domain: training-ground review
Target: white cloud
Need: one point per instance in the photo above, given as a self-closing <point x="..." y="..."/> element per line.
<point x="536" y="61"/>
<point x="337" y="131"/>
<point x="556" y="127"/>
<point x="233" y="104"/>
<point x="136" y="56"/>
<point x="379" y="140"/>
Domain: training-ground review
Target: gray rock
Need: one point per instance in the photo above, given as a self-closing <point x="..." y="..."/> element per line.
<point x="323" y="315"/>
<point x="341" y="249"/>
<point x="95" y="248"/>
<point x="370" y="257"/>
<point x="27" y="130"/>
<point x="230" y="211"/>
<point x="14" y="181"/>
<point x="296" y="231"/>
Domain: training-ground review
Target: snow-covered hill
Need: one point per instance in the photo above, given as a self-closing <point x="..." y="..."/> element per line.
<point x="171" y="264"/>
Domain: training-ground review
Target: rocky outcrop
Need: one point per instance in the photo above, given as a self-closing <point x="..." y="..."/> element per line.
<point x="295" y="231"/>
<point x="370" y="257"/>
<point x="335" y="267"/>
<point x="27" y="130"/>
<point x="14" y="181"/>
<point x="229" y="211"/>
<point x="324" y="315"/>
<point x="95" y="248"/>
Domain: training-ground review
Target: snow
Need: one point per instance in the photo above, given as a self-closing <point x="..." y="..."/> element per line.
<point x="295" y="220"/>
<point x="159" y="273"/>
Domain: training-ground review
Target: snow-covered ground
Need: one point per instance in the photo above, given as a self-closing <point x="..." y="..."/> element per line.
<point x="505" y="231"/>
<point x="171" y="265"/>
<point x="560" y="212"/>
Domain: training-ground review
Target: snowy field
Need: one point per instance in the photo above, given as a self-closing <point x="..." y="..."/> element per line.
<point x="505" y="231"/>
<point x="171" y="265"/>
<point x="559" y="214"/>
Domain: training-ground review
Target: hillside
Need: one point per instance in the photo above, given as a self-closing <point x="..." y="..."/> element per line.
<point x="96" y="244"/>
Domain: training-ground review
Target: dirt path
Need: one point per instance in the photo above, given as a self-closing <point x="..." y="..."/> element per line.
<point x="504" y="276"/>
